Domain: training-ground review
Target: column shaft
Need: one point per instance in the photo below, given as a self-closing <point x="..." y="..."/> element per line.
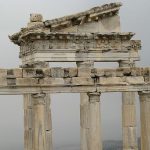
<point x="49" y="144"/>
<point x="128" y="116"/>
<point x="39" y="122"/>
<point x="27" y="122"/>
<point x="129" y="121"/>
<point x="145" y="120"/>
<point x="95" y="139"/>
<point x="28" y="119"/>
<point x="84" y="112"/>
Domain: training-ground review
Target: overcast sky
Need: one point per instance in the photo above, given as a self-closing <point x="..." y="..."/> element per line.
<point x="14" y="14"/>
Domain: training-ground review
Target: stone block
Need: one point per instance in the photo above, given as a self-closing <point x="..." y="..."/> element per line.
<point x="29" y="73"/>
<point x="3" y="72"/>
<point x="35" y="24"/>
<point x="3" y="82"/>
<point x="34" y="73"/>
<point x="111" y="81"/>
<point x="119" y="73"/>
<point x="125" y="71"/>
<point x="27" y="82"/>
<point x="99" y="72"/>
<point x="110" y="73"/>
<point x="82" y="81"/>
<point x="47" y="72"/>
<point x="17" y="73"/>
<point x="57" y="72"/>
<point x="84" y="72"/>
<point x="70" y="72"/>
<point x="11" y="81"/>
<point x="36" y="18"/>
<point x="67" y="81"/>
<point x="52" y="81"/>
<point x="135" y="80"/>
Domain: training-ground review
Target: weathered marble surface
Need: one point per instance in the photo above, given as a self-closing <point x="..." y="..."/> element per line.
<point x="145" y="120"/>
<point x="91" y="36"/>
<point x="35" y="80"/>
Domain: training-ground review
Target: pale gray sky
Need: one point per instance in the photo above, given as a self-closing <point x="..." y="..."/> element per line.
<point x="65" y="107"/>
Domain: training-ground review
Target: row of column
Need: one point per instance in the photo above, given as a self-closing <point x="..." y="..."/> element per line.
<point x="38" y="123"/>
<point x="91" y="137"/>
<point x="36" y="128"/>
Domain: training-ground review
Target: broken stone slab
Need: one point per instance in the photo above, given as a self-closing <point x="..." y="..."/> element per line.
<point x="93" y="14"/>
<point x="36" y="18"/>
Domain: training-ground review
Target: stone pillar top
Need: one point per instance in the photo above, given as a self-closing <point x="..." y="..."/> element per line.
<point x="94" y="94"/>
<point x="127" y="64"/>
<point x="39" y="99"/>
<point x="144" y="96"/>
<point x="36" y="18"/>
<point x="39" y="95"/>
<point x="144" y="93"/>
<point x="94" y="97"/>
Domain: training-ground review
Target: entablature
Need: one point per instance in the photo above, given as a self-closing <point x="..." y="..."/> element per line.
<point x="76" y="80"/>
<point x="73" y="47"/>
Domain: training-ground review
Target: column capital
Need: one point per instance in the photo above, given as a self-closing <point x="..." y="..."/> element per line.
<point x="39" y="99"/>
<point x="94" y="97"/>
<point x="144" y="93"/>
<point x="144" y="96"/>
<point x="127" y="63"/>
<point x="39" y="95"/>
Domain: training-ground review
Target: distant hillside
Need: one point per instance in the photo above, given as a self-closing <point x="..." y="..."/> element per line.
<point x="116" y="145"/>
<point x="112" y="145"/>
<point x="107" y="145"/>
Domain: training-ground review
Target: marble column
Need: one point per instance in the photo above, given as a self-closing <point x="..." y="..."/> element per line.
<point x="28" y="117"/>
<point x="145" y="120"/>
<point x="36" y="19"/>
<point x="84" y="104"/>
<point x="95" y="132"/>
<point x="39" y="121"/>
<point x="128" y="116"/>
<point x="28" y="122"/>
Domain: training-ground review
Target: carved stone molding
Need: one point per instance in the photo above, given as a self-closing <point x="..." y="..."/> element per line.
<point x="39" y="99"/>
<point x="94" y="97"/>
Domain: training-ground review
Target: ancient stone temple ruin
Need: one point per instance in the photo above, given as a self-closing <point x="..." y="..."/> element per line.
<point x="87" y="37"/>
